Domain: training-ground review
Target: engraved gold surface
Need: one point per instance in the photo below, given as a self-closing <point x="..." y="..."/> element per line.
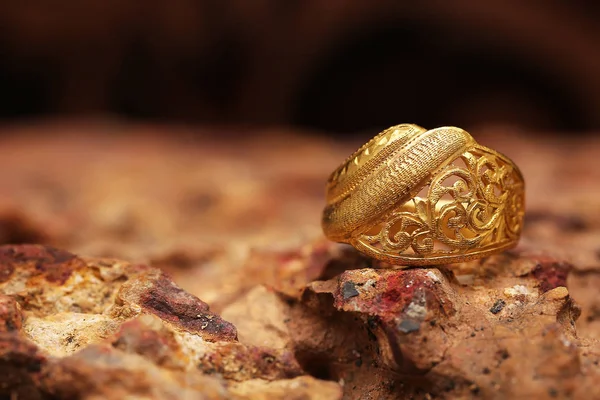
<point x="412" y="196"/>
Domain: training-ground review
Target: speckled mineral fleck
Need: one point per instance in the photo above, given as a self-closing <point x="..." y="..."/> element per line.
<point x="517" y="290"/>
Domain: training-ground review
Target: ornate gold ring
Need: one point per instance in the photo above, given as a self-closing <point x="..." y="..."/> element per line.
<point x="412" y="196"/>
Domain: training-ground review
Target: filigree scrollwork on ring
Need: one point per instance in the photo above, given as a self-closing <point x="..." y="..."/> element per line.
<point x="469" y="205"/>
<point x="480" y="203"/>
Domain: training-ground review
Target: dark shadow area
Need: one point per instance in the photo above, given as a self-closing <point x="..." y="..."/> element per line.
<point x="417" y="74"/>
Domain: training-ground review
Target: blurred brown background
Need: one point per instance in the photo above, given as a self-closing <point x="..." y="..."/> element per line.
<point x="335" y="65"/>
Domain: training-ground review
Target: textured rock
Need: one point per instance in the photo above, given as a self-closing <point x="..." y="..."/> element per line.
<point x="10" y="314"/>
<point x="99" y="372"/>
<point x="420" y="332"/>
<point x="20" y="366"/>
<point x="291" y="315"/>
<point x="298" y="388"/>
<point x="75" y="328"/>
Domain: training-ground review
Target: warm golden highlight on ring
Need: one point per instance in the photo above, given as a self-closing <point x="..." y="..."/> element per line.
<point x="412" y="196"/>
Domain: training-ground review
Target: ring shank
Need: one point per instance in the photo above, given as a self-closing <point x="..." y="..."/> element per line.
<point x="437" y="196"/>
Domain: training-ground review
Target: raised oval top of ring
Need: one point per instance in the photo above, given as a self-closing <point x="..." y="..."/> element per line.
<point x="473" y="202"/>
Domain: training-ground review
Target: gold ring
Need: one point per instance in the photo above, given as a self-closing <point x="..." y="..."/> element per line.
<point x="412" y="196"/>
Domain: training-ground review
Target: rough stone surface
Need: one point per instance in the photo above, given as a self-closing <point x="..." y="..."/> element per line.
<point x="95" y="328"/>
<point x="198" y="289"/>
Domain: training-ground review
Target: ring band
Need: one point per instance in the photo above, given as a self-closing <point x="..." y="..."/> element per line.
<point x="412" y="196"/>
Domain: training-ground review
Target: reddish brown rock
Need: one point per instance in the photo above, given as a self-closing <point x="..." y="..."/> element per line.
<point x="304" y="387"/>
<point x="290" y="314"/>
<point x="99" y="372"/>
<point x="53" y="265"/>
<point x="373" y="329"/>
<point x="261" y="318"/>
<point x="237" y="362"/>
<point x="10" y="314"/>
<point x="20" y="366"/>
<point x="551" y="274"/>
<point x="148" y="337"/>
<point x="398" y="303"/>
<point x="154" y="293"/>
<point x="111" y="329"/>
